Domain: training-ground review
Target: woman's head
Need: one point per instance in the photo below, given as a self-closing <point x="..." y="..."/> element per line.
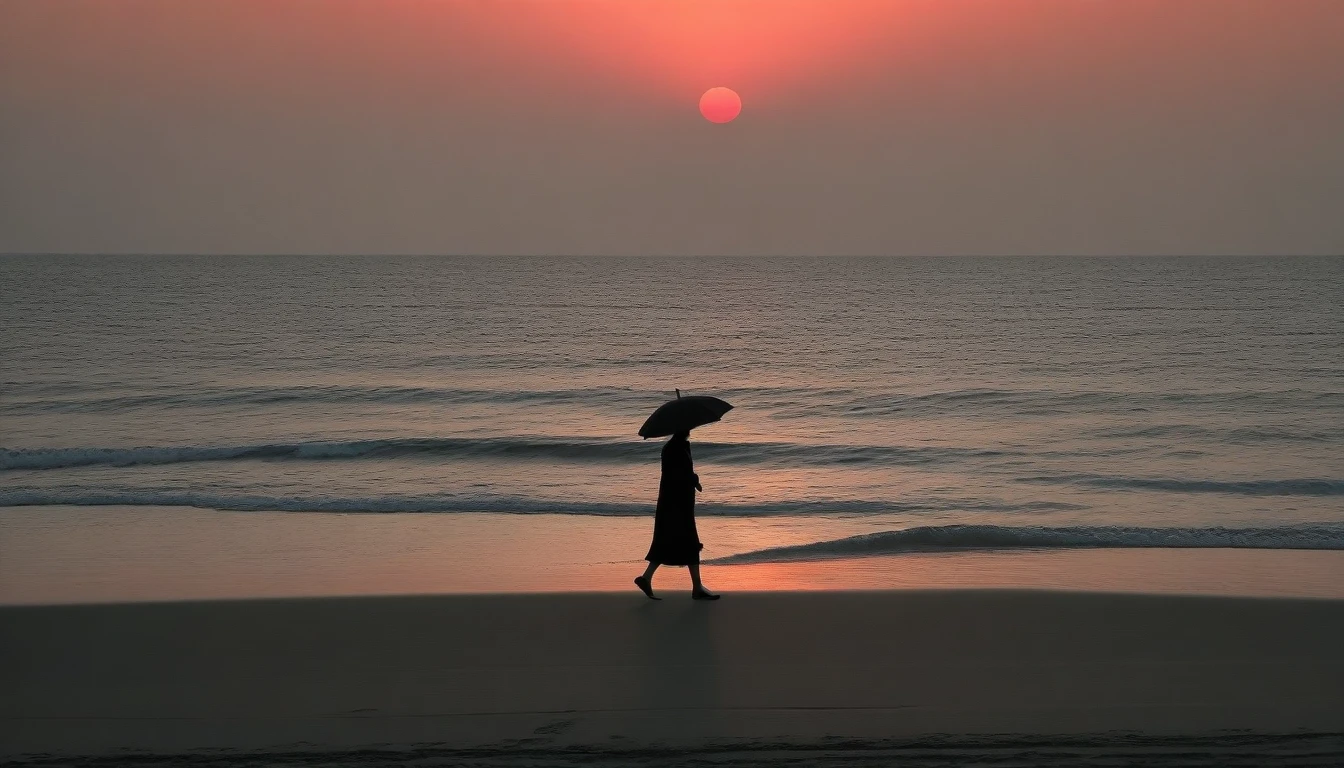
<point x="684" y="434"/>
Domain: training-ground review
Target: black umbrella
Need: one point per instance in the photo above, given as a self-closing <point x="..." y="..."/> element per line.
<point x="682" y="414"/>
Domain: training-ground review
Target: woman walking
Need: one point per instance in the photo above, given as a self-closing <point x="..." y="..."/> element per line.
<point x="675" y="540"/>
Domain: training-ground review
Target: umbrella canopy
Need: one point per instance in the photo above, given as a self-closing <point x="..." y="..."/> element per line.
<point x="682" y="414"/>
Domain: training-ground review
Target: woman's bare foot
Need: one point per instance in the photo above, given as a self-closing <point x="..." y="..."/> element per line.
<point x="645" y="587"/>
<point x="703" y="594"/>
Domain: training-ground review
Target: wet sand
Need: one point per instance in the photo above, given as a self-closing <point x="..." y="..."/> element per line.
<point x="526" y="675"/>
<point x="122" y="554"/>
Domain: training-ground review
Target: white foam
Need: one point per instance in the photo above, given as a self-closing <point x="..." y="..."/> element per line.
<point x="998" y="537"/>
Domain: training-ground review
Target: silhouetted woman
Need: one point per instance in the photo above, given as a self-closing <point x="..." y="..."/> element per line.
<point x="675" y="541"/>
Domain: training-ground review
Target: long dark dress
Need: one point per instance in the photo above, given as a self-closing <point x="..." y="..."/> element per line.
<point x="675" y="541"/>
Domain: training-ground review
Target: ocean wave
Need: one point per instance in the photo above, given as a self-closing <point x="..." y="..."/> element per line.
<point x="784" y="402"/>
<point x="478" y="502"/>
<point x="1309" y="486"/>
<point x="944" y="538"/>
<point x="78" y="399"/>
<point x="209" y="397"/>
<point x="1232" y="435"/>
<point x="262" y="503"/>
<point x="64" y="458"/>
<point x="520" y="448"/>
<point x="1013" y="402"/>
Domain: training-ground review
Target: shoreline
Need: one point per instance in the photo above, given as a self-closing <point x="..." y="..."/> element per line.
<point x="72" y="555"/>
<point x="563" y="672"/>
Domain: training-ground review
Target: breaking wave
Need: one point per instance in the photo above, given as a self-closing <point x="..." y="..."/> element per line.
<point x="81" y="399"/>
<point x="785" y="402"/>
<point x="549" y="449"/>
<point x="477" y="502"/>
<point x="263" y="503"/>
<point x="948" y="538"/>
<point x="1048" y="402"/>
<point x="1280" y="487"/>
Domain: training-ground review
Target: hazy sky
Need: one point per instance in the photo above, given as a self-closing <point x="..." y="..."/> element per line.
<point x="571" y="126"/>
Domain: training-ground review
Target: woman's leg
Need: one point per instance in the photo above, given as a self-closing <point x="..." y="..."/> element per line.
<point x="697" y="586"/>
<point x="645" y="582"/>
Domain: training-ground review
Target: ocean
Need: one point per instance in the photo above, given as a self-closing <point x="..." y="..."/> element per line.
<point x="882" y="406"/>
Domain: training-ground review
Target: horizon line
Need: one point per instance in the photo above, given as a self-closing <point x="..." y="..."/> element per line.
<point x="426" y="255"/>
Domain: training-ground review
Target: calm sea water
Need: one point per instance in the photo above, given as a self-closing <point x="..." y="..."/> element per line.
<point x="983" y="402"/>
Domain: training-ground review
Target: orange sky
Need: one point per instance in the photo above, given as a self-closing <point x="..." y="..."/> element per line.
<point x="563" y="126"/>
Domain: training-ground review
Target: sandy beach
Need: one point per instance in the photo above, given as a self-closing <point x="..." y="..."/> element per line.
<point x="517" y="676"/>
<point x="962" y="380"/>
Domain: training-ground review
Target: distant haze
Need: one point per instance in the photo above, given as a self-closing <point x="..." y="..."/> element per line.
<point x="572" y="126"/>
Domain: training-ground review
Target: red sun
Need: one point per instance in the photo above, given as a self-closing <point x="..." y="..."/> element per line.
<point x="720" y="105"/>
